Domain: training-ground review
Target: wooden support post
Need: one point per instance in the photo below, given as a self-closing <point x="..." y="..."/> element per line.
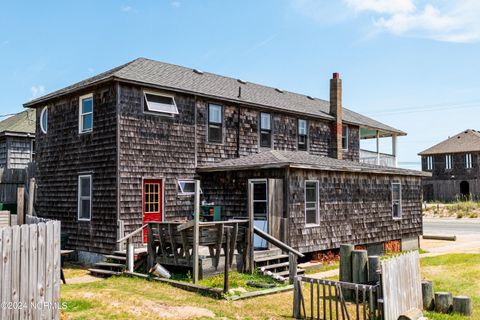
<point x="152" y="256"/>
<point x="373" y="266"/>
<point x="196" y="231"/>
<point x="31" y="194"/>
<point x="296" y="298"/>
<point x="20" y="205"/>
<point x="359" y="266"/>
<point x="130" y="255"/>
<point x="227" y="254"/>
<point x="292" y="267"/>
<point x="427" y="295"/>
<point x="250" y="246"/>
<point x="346" y="268"/>
<point x="443" y="302"/>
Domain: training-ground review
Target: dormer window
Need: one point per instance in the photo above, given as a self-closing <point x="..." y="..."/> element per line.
<point x="160" y="103"/>
<point x="85" y="120"/>
<point x="265" y="130"/>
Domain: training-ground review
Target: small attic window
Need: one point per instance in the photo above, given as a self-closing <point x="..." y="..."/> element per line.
<point x="242" y="81"/>
<point x="160" y="103"/>
<point x="279" y="90"/>
<point x="197" y="71"/>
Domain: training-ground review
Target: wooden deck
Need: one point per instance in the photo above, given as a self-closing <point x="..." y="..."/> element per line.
<point x="171" y="243"/>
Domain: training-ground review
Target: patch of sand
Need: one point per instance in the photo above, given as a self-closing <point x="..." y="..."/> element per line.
<point x="82" y="279"/>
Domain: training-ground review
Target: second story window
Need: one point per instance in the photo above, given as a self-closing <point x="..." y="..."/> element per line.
<point x="302" y="135"/>
<point x="396" y="200"/>
<point x="448" y="161"/>
<point x="468" y="161"/>
<point x="161" y="104"/>
<point x="86" y="114"/>
<point x="265" y="130"/>
<point x="429" y="163"/>
<point x="215" y="123"/>
<point x="44" y="120"/>
<point x="344" y="137"/>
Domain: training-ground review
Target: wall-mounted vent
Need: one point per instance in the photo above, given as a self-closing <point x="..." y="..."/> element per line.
<point x="197" y="71"/>
<point x="242" y="81"/>
<point x="279" y="90"/>
<point x="310" y="97"/>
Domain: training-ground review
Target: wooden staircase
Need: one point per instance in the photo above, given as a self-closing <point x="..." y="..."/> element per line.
<point x="115" y="263"/>
<point x="275" y="261"/>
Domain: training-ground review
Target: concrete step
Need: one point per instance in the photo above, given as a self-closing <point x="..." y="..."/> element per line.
<point x="115" y="257"/>
<point x="104" y="273"/>
<point x="108" y="265"/>
<point x="270" y="258"/>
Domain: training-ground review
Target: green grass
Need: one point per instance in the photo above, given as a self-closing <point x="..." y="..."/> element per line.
<point x="455" y="273"/>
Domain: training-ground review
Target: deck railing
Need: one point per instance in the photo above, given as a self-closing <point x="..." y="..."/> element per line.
<point x="370" y="157"/>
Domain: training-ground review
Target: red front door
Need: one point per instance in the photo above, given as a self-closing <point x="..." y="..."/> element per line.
<point x="152" y="202"/>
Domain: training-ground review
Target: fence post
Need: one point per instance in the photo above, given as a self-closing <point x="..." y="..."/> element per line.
<point x="296" y="298"/>
<point x="292" y="267"/>
<point x="130" y="255"/>
<point x="20" y="205"/>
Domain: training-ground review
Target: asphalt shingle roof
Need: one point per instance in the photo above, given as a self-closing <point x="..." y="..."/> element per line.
<point x="22" y="122"/>
<point x="168" y="76"/>
<point x="301" y="159"/>
<point x="465" y="141"/>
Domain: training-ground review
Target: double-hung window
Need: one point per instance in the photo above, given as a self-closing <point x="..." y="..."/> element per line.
<point x="85" y="197"/>
<point x="429" y="163"/>
<point x="311" y="203"/>
<point x="302" y="135"/>
<point x="265" y="130"/>
<point x="344" y="137"/>
<point x="396" y="200"/>
<point x="448" y="162"/>
<point x="468" y="161"/>
<point x="215" y="123"/>
<point x="85" y="120"/>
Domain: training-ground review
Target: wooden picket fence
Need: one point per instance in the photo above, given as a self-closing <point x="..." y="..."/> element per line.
<point x="401" y="285"/>
<point x="30" y="271"/>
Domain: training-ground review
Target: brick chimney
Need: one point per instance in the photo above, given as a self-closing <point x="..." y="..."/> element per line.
<point x="336" y="112"/>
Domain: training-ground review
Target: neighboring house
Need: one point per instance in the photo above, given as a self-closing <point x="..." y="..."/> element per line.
<point x="124" y="147"/>
<point x="454" y="164"/>
<point x="17" y="140"/>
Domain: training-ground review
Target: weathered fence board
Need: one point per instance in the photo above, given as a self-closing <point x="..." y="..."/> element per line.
<point x="30" y="271"/>
<point x="401" y="285"/>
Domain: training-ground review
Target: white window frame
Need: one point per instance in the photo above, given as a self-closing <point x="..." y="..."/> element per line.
<point x="80" y="198"/>
<point x="399" y="201"/>
<point x="317" y="204"/>
<point x="182" y="192"/>
<point x="346" y="138"/>
<point x="448" y="162"/>
<point x="221" y="123"/>
<point x="81" y="115"/>
<point x="161" y="94"/>
<point x="42" y="114"/>
<point x="269" y="129"/>
<point x="306" y="133"/>
<point x="468" y="161"/>
<point x="429" y="163"/>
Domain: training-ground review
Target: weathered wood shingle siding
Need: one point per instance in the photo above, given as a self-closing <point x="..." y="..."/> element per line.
<point x="3" y="152"/>
<point x="63" y="154"/>
<point x="19" y="152"/>
<point x="353" y="151"/>
<point x="354" y="208"/>
<point x="154" y="146"/>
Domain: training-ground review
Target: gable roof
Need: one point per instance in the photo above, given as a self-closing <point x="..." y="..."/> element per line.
<point x="21" y="123"/>
<point x="302" y="160"/>
<point x="172" y="77"/>
<point x="465" y="141"/>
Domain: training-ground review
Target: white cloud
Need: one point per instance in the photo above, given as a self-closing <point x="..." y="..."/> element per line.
<point x="443" y="20"/>
<point x="381" y="6"/>
<point x="176" y="4"/>
<point x="125" y="8"/>
<point x="37" y="91"/>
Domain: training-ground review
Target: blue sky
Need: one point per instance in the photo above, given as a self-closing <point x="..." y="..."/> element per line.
<point x="411" y="64"/>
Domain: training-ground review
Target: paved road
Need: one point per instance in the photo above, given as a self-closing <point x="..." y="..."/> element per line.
<point x="451" y="226"/>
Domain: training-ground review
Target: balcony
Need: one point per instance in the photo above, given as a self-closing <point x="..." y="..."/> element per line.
<point x="382" y="159"/>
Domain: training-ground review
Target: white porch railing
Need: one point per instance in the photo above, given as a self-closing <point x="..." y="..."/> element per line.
<point x="382" y="159"/>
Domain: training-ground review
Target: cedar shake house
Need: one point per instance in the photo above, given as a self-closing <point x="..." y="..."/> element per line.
<point x="454" y="164"/>
<point x="123" y="148"/>
<point x="17" y="140"/>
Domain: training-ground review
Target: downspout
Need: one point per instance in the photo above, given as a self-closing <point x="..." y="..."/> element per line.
<point x="238" y="131"/>
<point x="195" y="132"/>
<point x="120" y="224"/>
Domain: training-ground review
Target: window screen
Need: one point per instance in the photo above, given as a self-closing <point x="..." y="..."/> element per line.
<point x="396" y="200"/>
<point x="311" y="202"/>
<point x="84" y="197"/>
